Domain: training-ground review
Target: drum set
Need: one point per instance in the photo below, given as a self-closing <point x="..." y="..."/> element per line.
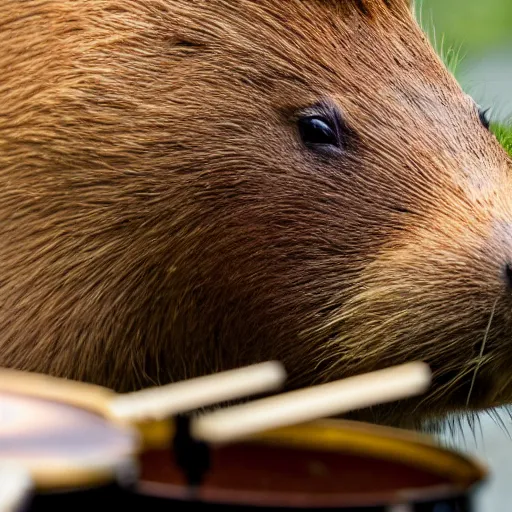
<point x="67" y="445"/>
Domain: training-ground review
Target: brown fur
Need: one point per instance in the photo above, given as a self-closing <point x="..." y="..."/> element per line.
<point x="161" y="219"/>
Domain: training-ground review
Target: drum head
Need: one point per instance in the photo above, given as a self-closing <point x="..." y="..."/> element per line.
<point x="63" y="445"/>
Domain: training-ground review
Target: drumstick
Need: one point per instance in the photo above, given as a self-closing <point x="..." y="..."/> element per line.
<point x="165" y="401"/>
<point x="308" y="404"/>
<point x="15" y="487"/>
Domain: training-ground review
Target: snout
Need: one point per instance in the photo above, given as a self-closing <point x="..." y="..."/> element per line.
<point x="502" y="247"/>
<point x="507" y="275"/>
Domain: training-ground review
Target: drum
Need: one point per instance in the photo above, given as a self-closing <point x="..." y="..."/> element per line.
<point x="322" y="465"/>
<point x="67" y="447"/>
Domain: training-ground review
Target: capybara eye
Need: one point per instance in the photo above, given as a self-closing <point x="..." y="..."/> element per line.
<point x="484" y="117"/>
<point x="317" y="131"/>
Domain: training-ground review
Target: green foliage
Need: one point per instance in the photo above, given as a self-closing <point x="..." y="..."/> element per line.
<point x="504" y="135"/>
<point x="468" y="28"/>
<point x="450" y="53"/>
<point x="476" y="25"/>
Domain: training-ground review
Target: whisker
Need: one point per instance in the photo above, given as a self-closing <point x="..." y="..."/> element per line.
<point x="456" y="426"/>
<point x="498" y="420"/>
<point x="475" y="419"/>
<point x="443" y="390"/>
<point x="481" y="352"/>
<point x="454" y="432"/>
<point x="504" y="386"/>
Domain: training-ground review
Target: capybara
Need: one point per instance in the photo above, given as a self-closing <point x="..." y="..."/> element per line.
<point x="189" y="186"/>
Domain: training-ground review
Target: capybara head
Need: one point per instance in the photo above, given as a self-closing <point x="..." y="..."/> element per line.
<point x="191" y="186"/>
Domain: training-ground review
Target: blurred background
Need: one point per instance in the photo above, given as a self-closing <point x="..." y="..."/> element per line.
<point x="475" y="39"/>
<point x="479" y="32"/>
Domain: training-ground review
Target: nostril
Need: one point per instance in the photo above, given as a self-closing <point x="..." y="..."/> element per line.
<point x="508" y="274"/>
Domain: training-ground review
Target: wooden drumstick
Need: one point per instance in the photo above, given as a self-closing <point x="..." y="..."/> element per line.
<point x="226" y="425"/>
<point x="15" y="487"/>
<point x="162" y="402"/>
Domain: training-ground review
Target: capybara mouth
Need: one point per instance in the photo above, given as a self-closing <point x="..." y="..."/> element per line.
<point x="483" y="380"/>
<point x="468" y="379"/>
<point x="453" y="395"/>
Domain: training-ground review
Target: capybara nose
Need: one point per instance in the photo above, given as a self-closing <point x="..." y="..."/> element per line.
<point x="508" y="275"/>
